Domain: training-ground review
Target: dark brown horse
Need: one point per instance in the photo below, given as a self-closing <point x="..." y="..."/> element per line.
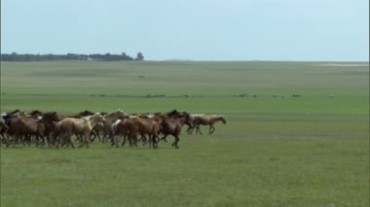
<point x="209" y="120"/>
<point x="173" y="125"/>
<point x="121" y="130"/>
<point x="25" y="128"/>
<point x="49" y="119"/>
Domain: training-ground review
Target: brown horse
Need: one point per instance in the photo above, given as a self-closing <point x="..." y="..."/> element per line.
<point x="150" y="127"/>
<point x="109" y="120"/>
<point x="132" y="127"/>
<point x="25" y="128"/>
<point x="120" y="130"/>
<point x="49" y="119"/>
<point x="209" y="120"/>
<point x="173" y="125"/>
<point x="79" y="126"/>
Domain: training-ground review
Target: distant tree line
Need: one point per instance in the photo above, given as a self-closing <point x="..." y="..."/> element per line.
<point x="70" y="56"/>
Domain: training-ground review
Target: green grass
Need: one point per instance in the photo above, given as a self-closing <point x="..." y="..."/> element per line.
<point x="275" y="150"/>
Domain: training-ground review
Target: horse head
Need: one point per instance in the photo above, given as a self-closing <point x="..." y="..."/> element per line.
<point x="222" y="118"/>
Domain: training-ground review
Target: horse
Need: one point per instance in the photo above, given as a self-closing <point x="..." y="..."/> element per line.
<point x="79" y="126"/>
<point x="21" y="125"/>
<point x="49" y="119"/>
<point x="123" y="129"/>
<point x="134" y="126"/>
<point x="150" y="127"/>
<point x="209" y="120"/>
<point x="173" y="125"/>
<point x="109" y="120"/>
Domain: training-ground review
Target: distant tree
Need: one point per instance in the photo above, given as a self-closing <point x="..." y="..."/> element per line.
<point x="139" y="57"/>
<point x="124" y="56"/>
<point x="69" y="56"/>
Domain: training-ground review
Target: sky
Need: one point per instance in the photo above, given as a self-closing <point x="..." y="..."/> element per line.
<point x="216" y="30"/>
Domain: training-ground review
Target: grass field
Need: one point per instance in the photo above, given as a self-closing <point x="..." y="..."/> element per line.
<point x="275" y="150"/>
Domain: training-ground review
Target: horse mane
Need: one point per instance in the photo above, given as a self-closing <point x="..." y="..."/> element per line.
<point x="85" y="113"/>
<point x="20" y="114"/>
<point x="184" y="113"/>
<point x="35" y="112"/>
<point x="13" y="112"/>
<point x="50" y="116"/>
<point x="89" y="117"/>
<point x="173" y="113"/>
<point x="221" y="118"/>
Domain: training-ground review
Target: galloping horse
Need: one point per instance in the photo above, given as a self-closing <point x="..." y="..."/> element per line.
<point x="25" y="128"/>
<point x="173" y="125"/>
<point x="49" y="119"/>
<point x="209" y="120"/>
<point x="80" y="126"/>
<point x="132" y="127"/>
<point x="150" y="127"/>
<point x="110" y="119"/>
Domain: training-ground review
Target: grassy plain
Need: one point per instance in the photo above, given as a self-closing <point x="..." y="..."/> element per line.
<point x="275" y="150"/>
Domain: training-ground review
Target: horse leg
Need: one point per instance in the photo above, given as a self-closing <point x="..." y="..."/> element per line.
<point x="6" y="139"/>
<point x="81" y="143"/>
<point x="124" y="138"/>
<point x="99" y="138"/>
<point x="144" y="139"/>
<point x="62" y="139"/>
<point x="23" y="140"/>
<point x="190" y="130"/>
<point x="150" y="140"/>
<point x="53" y="139"/>
<point x="135" y="140"/>
<point x="87" y="140"/>
<point x="175" y="143"/>
<point x="57" y="139"/>
<point x="164" y="138"/>
<point x="211" y="129"/>
<point x="41" y="140"/>
<point x="131" y="139"/>
<point x="70" y="141"/>
<point x="37" y="141"/>
<point x="92" y="136"/>
<point x="116" y="140"/>
<point x="155" y="141"/>
<point x="198" y="130"/>
<point x="113" y="141"/>
<point x="65" y="139"/>
<point x="28" y="139"/>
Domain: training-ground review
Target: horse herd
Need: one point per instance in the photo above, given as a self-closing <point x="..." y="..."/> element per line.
<point x="57" y="130"/>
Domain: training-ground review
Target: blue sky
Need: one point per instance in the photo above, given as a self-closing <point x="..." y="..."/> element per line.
<point x="308" y="30"/>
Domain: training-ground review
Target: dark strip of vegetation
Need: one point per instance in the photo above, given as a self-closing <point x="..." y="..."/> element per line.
<point x="70" y="56"/>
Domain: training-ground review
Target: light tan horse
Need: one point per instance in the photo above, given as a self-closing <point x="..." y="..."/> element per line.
<point x="209" y="120"/>
<point x="79" y="126"/>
